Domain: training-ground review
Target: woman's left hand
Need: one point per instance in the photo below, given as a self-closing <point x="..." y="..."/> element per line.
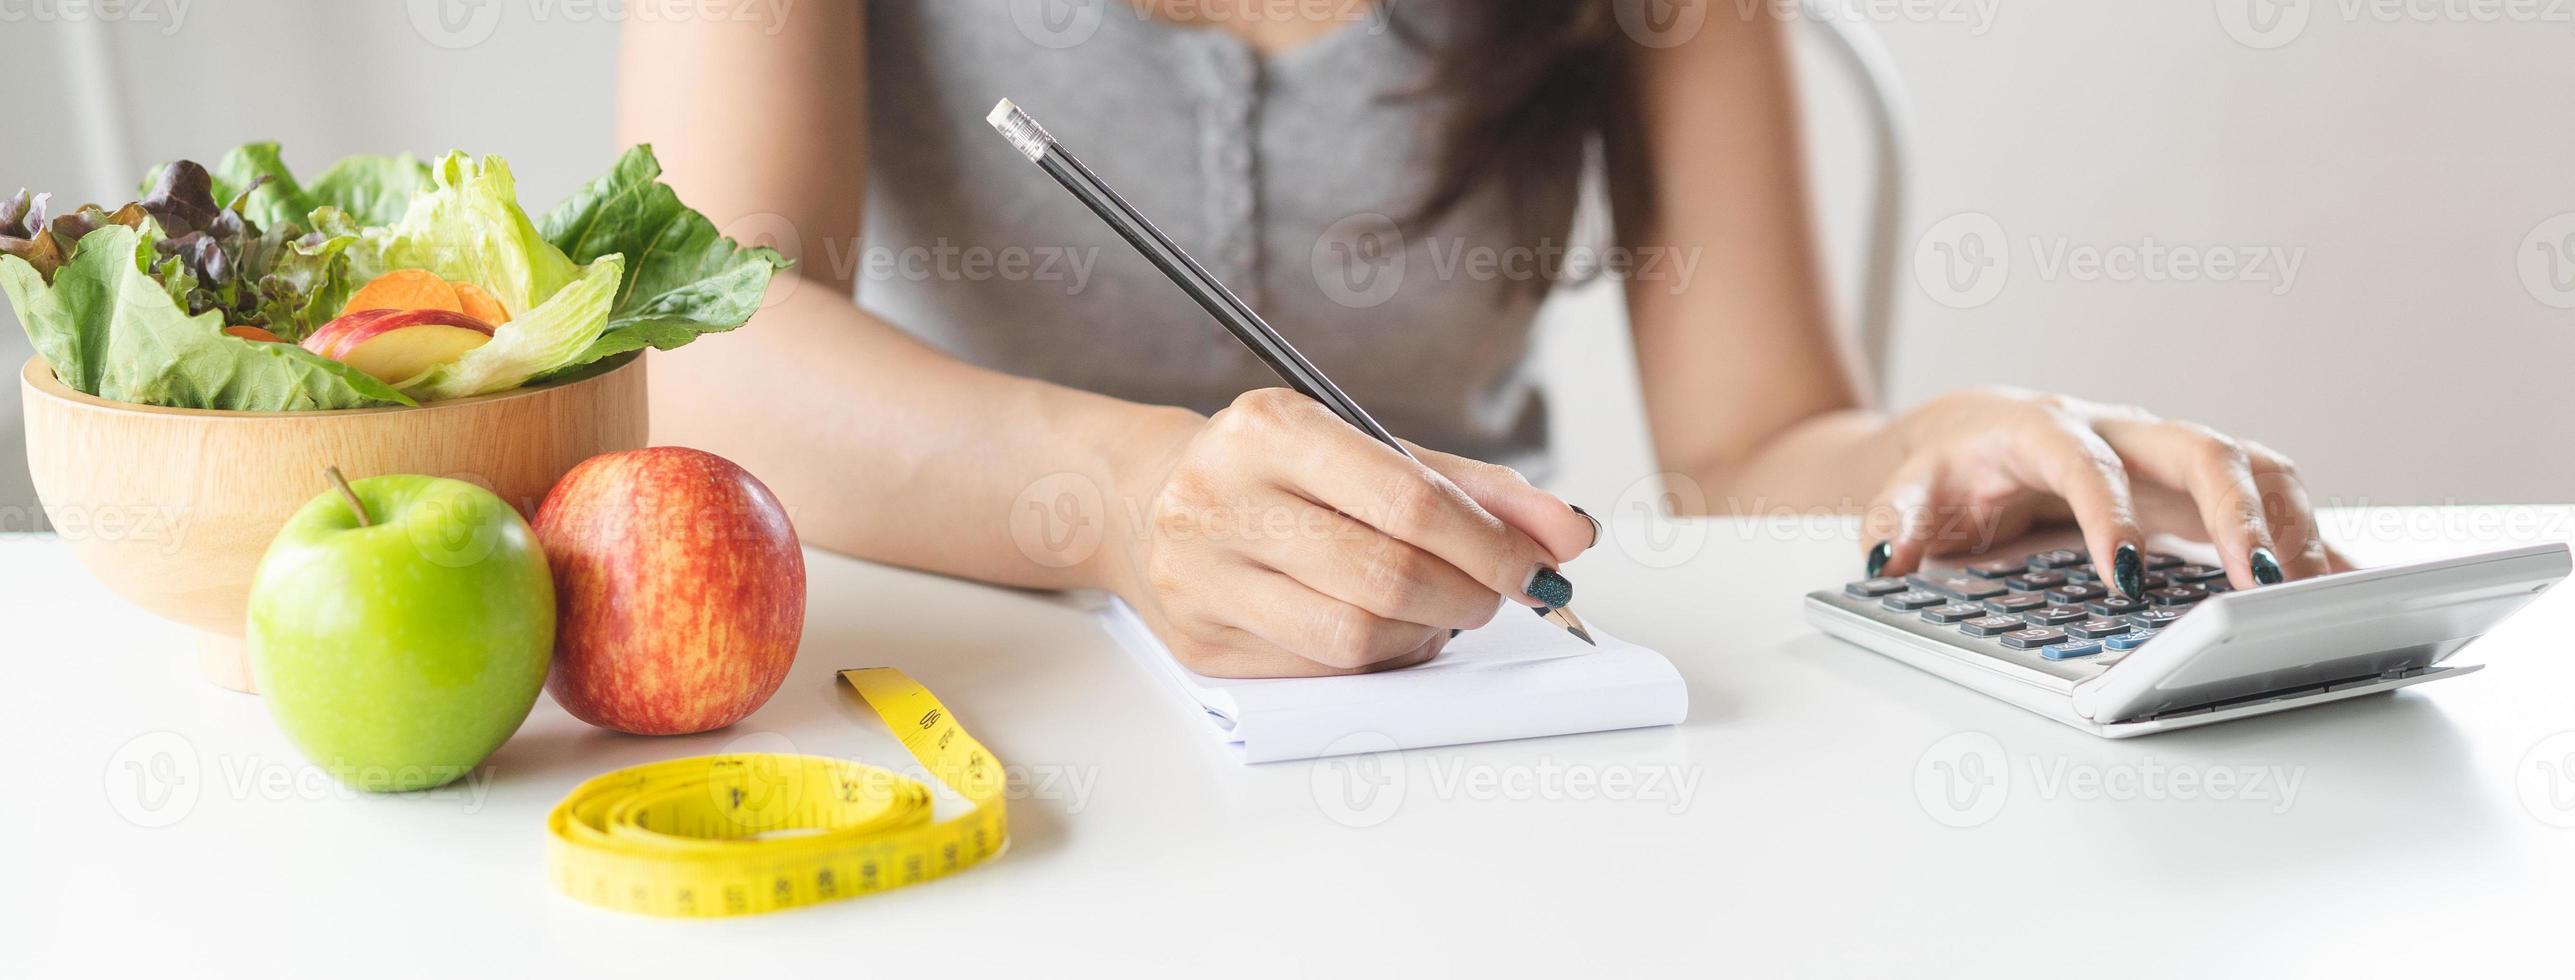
<point x="1982" y="466"/>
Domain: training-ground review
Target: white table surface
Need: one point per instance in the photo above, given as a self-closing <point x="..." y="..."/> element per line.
<point x="1813" y="836"/>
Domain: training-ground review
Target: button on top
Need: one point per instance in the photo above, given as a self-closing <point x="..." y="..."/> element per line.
<point x="2075" y="595"/>
<point x="2035" y="581"/>
<point x="2053" y="616"/>
<point x="1957" y="586"/>
<point x="2177" y="595"/>
<point x="2022" y="602"/>
<point x="2035" y="636"/>
<point x="2156" y="618"/>
<point x="2071" y="649"/>
<point x="2093" y="629"/>
<point x="1873" y="587"/>
<point x="1990" y="625"/>
<point x="2111" y="605"/>
<point x="2058" y="558"/>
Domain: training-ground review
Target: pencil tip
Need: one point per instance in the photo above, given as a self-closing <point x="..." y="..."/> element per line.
<point x="1564" y="616"/>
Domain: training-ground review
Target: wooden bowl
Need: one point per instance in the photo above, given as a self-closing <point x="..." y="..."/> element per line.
<point x="172" y="508"/>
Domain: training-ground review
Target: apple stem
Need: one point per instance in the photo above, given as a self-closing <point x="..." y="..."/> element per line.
<point x="341" y="483"/>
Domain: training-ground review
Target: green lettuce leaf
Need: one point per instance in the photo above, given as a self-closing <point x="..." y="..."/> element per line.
<point x="468" y="227"/>
<point x="108" y="328"/>
<point x="374" y="190"/>
<point x="682" y="277"/>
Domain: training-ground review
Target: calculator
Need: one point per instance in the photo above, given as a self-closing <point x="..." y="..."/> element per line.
<point x="2043" y="632"/>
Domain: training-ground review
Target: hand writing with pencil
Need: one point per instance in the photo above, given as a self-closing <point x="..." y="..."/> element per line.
<point x="1279" y="541"/>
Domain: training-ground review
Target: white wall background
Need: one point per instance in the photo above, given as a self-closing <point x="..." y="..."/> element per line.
<point x="2414" y="157"/>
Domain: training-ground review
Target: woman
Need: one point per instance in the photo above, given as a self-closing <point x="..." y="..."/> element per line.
<point x="971" y="414"/>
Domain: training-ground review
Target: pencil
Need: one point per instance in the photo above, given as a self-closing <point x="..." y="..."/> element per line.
<point x="1211" y="295"/>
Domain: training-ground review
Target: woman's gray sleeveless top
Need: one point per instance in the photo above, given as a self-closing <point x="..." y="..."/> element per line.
<point x="1285" y="177"/>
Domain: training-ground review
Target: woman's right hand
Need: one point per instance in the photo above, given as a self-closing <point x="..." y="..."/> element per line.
<point x="1280" y="541"/>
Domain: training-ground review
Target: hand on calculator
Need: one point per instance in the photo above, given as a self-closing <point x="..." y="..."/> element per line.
<point x="1985" y="465"/>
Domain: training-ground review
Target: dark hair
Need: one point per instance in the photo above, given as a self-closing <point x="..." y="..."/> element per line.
<point x="1525" y="85"/>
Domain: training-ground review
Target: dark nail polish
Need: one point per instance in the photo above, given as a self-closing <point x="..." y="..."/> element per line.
<point x="1595" y="522"/>
<point x="1878" y="558"/>
<point x="2266" y="569"/>
<point x="1452" y="634"/>
<point x="1551" y="587"/>
<point x="2130" y="570"/>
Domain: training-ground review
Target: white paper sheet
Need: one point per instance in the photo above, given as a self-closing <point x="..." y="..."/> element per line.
<point x="1519" y="677"/>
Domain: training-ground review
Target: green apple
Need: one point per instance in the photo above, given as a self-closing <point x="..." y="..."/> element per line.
<point x="399" y="629"/>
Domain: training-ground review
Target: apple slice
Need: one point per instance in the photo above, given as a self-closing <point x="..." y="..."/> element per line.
<point x="394" y="346"/>
<point x="404" y="289"/>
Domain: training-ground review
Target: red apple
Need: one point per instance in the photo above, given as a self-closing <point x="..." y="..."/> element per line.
<point x="679" y="591"/>
<point x="396" y="345"/>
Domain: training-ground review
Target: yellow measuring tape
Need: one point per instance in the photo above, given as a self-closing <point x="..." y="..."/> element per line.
<point x="757" y="832"/>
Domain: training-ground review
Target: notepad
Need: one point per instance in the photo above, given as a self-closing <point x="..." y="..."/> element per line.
<point x="1518" y="677"/>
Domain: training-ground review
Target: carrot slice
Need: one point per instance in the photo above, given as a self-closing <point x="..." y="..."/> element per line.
<point x="480" y="304"/>
<point x="405" y="289"/>
<point x="247" y="332"/>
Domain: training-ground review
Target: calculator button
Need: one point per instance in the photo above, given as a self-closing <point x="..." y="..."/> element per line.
<point x="2033" y="637"/>
<point x="2076" y="595"/>
<point x="2034" y="581"/>
<point x="2194" y="573"/>
<point x="2079" y="574"/>
<point x="1995" y="569"/>
<point x="1966" y="587"/>
<point x="2058" y="558"/>
<point x="2017" y="603"/>
<point x="2071" y="649"/>
<point x="2094" y="629"/>
<point x="2128" y="641"/>
<point x="2157" y="561"/>
<point x="2155" y="618"/>
<point x="1990" y="625"/>
<point x="2178" y="595"/>
<point x="1907" y="601"/>
<point x="2216" y="585"/>
<point x="1873" y="587"/>
<point x="1953" y="612"/>
<point x="2111" y="605"/>
<point x="2053" y="616"/>
<point x="2154" y="580"/>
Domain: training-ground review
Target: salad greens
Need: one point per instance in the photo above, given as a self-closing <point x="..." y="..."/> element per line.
<point x="134" y="304"/>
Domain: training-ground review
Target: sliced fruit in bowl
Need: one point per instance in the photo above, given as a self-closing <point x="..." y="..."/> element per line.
<point x="394" y="345"/>
<point x="480" y="304"/>
<point x="405" y="289"/>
